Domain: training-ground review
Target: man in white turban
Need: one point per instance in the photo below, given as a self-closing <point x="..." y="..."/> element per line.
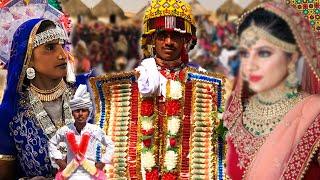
<point x="81" y="104"/>
<point x="85" y="159"/>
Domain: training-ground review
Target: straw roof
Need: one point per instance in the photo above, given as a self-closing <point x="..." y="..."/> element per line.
<point x="230" y="7"/>
<point x="140" y="14"/>
<point x="255" y="3"/>
<point x="104" y="9"/>
<point x="107" y="7"/>
<point x="74" y="7"/>
<point x="198" y="9"/>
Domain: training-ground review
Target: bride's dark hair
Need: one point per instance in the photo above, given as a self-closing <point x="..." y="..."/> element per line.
<point x="270" y="22"/>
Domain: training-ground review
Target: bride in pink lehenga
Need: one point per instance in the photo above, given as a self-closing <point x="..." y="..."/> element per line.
<point x="273" y="114"/>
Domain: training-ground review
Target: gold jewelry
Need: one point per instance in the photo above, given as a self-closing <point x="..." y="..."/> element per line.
<point x="61" y="83"/>
<point x="51" y="94"/>
<point x="253" y="33"/>
<point x="261" y="119"/>
<point x="264" y="111"/>
<point x="292" y="79"/>
<point x="276" y="94"/>
<point x="7" y="157"/>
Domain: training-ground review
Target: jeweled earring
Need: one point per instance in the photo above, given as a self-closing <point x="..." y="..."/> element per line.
<point x="292" y="79"/>
<point x="31" y="73"/>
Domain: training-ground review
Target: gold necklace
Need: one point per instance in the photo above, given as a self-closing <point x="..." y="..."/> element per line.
<point x="51" y="94"/>
<point x="61" y="83"/>
<point x="261" y="118"/>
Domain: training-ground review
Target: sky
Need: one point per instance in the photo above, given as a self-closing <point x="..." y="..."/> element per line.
<point x="135" y="5"/>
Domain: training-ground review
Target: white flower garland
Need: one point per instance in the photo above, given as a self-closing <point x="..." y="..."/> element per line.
<point x="147" y="160"/>
<point x="175" y="89"/>
<point x="170" y="160"/>
<point x="147" y="123"/>
<point x="173" y="125"/>
<point x="147" y="157"/>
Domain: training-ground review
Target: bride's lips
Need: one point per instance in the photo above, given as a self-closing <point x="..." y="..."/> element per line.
<point x="254" y="78"/>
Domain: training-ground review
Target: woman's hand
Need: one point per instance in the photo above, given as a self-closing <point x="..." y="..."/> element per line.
<point x="100" y="165"/>
<point x="7" y="169"/>
<point x="61" y="163"/>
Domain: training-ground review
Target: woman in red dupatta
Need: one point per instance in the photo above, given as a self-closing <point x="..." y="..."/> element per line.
<point x="273" y="114"/>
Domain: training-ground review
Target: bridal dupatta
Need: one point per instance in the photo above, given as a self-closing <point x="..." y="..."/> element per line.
<point x="288" y="150"/>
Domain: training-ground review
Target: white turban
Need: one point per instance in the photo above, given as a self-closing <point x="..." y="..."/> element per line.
<point x="81" y="99"/>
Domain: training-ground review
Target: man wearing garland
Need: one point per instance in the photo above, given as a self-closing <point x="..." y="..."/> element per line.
<point x="82" y="160"/>
<point x="163" y="116"/>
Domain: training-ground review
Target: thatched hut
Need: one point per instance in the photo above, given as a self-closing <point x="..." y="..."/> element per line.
<point x="198" y="9"/>
<point x="74" y="7"/>
<point x="254" y="3"/>
<point x="229" y="7"/>
<point x="104" y="9"/>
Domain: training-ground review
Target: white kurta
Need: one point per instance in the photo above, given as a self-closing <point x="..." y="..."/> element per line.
<point x="97" y="136"/>
<point x="151" y="82"/>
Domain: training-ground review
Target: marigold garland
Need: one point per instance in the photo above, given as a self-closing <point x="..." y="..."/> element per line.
<point x="173" y="129"/>
<point x="147" y="133"/>
<point x="169" y="176"/>
<point x="147" y="107"/>
<point x="152" y="175"/>
<point x="173" y="107"/>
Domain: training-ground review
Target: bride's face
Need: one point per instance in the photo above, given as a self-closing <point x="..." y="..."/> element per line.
<point x="263" y="65"/>
<point x="50" y="60"/>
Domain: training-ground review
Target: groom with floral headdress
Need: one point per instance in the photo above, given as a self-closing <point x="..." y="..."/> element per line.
<point x="163" y="116"/>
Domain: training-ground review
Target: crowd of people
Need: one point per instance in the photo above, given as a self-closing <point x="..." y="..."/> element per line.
<point x="217" y="46"/>
<point x="114" y="48"/>
<point x="105" y="47"/>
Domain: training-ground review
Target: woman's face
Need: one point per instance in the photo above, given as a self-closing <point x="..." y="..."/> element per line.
<point x="50" y="60"/>
<point x="263" y="65"/>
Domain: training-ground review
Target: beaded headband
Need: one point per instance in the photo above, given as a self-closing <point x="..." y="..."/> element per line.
<point x="49" y="35"/>
<point x="253" y="33"/>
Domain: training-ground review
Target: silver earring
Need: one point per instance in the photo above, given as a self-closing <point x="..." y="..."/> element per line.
<point x="71" y="77"/>
<point x="31" y="73"/>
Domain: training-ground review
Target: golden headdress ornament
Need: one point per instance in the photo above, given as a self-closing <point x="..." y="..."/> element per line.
<point x="310" y="10"/>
